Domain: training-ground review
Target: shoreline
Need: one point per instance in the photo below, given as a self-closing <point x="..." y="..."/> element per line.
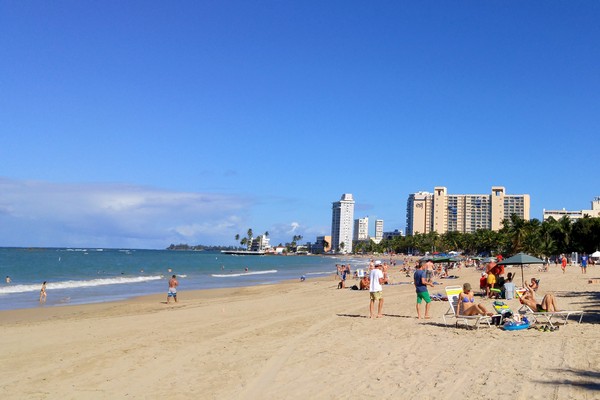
<point x="297" y="340"/>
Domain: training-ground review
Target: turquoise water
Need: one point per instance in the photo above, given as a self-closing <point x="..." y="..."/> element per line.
<point x="79" y="276"/>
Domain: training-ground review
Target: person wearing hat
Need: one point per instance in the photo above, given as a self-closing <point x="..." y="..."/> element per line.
<point x="376" y="290"/>
<point x="421" y="283"/>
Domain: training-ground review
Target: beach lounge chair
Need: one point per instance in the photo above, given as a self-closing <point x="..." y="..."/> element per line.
<point x="553" y="317"/>
<point x="550" y="317"/>
<point x="471" y="321"/>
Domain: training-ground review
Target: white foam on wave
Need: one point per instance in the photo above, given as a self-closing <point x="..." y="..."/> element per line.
<point x="77" y="284"/>
<point x="270" y="271"/>
<point x="320" y="273"/>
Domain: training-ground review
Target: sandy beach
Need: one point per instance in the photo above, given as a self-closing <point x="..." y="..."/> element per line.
<point x="299" y="340"/>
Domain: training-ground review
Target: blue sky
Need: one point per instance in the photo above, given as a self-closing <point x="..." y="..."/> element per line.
<point x="146" y="123"/>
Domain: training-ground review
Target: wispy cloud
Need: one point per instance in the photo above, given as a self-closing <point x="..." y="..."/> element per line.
<point x="55" y="214"/>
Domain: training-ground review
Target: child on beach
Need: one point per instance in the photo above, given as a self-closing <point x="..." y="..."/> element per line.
<point x="483" y="284"/>
<point x="491" y="283"/>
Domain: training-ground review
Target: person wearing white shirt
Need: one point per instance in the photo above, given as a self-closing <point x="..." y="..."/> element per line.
<point x="376" y="290"/>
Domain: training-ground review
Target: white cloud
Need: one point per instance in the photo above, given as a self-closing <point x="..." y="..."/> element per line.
<point x="114" y="215"/>
<point x="293" y="227"/>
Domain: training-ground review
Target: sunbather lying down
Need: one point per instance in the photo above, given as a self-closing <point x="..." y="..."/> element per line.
<point x="548" y="303"/>
<point x="466" y="303"/>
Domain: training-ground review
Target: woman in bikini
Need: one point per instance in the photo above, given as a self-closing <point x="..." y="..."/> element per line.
<point x="43" y="293"/>
<point x="466" y="303"/>
<point x="548" y="303"/>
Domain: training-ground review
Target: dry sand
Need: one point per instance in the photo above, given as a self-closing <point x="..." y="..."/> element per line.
<point x="298" y="341"/>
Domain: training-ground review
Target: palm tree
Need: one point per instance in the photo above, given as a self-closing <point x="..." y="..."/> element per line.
<point x="565" y="228"/>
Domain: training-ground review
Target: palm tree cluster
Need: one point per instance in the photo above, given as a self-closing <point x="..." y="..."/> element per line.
<point x="247" y="241"/>
<point x="542" y="239"/>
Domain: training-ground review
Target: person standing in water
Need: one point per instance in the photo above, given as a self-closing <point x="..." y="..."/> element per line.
<point x="43" y="293"/>
<point x="172" y="289"/>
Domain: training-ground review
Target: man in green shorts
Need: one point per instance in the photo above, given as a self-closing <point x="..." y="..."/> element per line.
<point x="421" y="284"/>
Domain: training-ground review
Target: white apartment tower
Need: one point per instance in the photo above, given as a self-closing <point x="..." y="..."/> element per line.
<point x="361" y="228"/>
<point x="378" y="230"/>
<point x="342" y="217"/>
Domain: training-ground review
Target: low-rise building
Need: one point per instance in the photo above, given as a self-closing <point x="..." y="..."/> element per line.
<point x="575" y="215"/>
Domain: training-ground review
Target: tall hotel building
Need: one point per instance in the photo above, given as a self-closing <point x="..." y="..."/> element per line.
<point x="378" y="230"/>
<point x="442" y="212"/>
<point x="341" y="223"/>
<point x="361" y="229"/>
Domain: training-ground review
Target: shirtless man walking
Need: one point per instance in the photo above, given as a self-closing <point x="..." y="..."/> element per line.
<point x="172" y="289"/>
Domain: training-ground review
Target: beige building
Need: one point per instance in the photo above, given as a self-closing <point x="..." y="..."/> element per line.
<point x="418" y="213"/>
<point x="575" y="215"/>
<point x="442" y="212"/>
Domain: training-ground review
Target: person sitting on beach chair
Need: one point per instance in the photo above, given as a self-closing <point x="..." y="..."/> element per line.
<point x="548" y="303"/>
<point x="534" y="285"/>
<point x="509" y="288"/>
<point x="466" y="303"/>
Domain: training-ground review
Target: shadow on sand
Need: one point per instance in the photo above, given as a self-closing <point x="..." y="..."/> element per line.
<point x="589" y="380"/>
<point x="589" y="302"/>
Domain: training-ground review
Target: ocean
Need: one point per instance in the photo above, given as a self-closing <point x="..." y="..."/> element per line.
<point x="81" y="276"/>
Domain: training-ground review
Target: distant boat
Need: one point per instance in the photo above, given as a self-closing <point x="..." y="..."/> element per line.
<point x="243" y="252"/>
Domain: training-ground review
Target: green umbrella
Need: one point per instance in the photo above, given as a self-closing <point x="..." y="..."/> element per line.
<point x="520" y="259"/>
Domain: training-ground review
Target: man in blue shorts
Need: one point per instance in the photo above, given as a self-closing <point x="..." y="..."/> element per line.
<point x="172" y="289"/>
<point x="584" y="261"/>
<point x="421" y="283"/>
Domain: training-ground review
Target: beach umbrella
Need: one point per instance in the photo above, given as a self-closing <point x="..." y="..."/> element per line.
<point x="596" y="254"/>
<point x="521" y="259"/>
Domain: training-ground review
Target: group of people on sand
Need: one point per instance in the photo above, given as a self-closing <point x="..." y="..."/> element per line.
<point x="343" y="271"/>
<point x="423" y="278"/>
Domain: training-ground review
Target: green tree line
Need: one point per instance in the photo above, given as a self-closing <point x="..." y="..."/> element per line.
<point x="547" y="238"/>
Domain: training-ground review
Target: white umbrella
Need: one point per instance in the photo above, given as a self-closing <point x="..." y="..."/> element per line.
<point x="596" y="254"/>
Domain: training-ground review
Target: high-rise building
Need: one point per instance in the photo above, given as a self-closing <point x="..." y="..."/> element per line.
<point x="378" y="230"/>
<point x="575" y="215"/>
<point x="418" y="213"/>
<point x="341" y="224"/>
<point x="442" y="212"/>
<point x="361" y="229"/>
